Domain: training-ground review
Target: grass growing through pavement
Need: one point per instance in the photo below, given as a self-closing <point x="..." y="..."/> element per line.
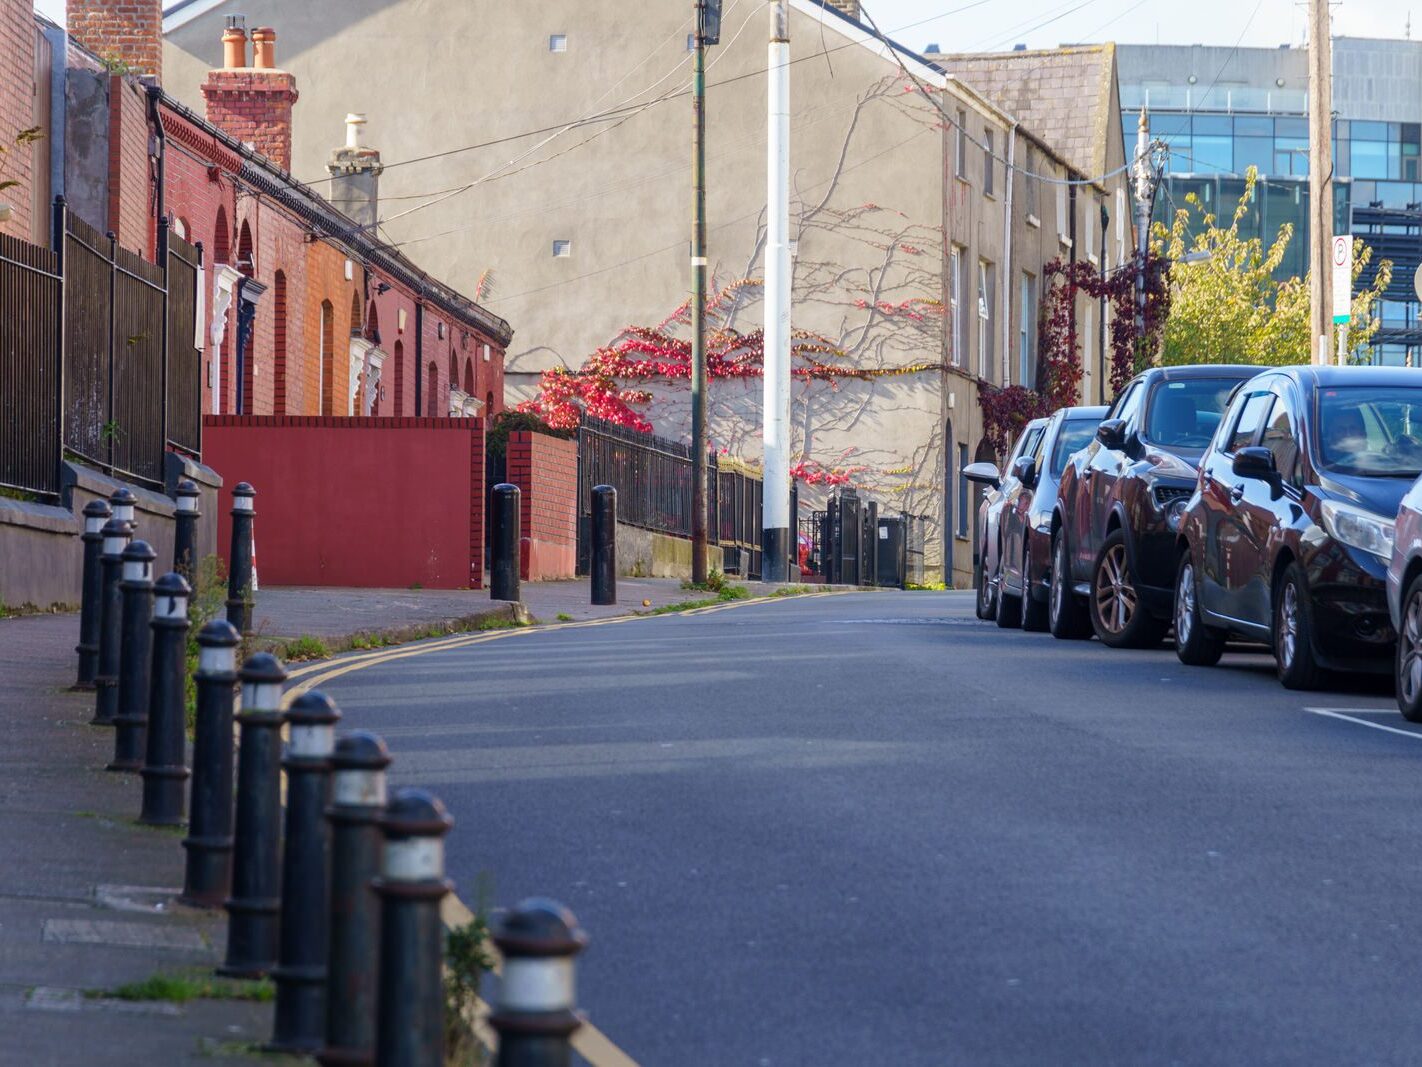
<point x="727" y="593"/>
<point x="307" y="647"/>
<point x="181" y="988"/>
<point x="563" y="616"/>
<point x="467" y="958"/>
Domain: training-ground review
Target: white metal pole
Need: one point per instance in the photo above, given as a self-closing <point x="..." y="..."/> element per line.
<point x="1320" y="172"/>
<point x="778" y="533"/>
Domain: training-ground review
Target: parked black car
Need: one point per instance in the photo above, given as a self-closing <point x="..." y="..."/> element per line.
<point x="1290" y="533"/>
<point x="1114" y="528"/>
<point x="997" y="485"/>
<point x="1025" y="525"/>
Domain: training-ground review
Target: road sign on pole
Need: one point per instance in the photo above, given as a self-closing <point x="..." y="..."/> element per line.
<point x="1342" y="278"/>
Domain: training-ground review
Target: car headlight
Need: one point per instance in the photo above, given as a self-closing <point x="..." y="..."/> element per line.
<point x="1358" y="528"/>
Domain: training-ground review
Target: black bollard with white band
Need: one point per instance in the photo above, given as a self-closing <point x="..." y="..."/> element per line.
<point x="239" y="559"/>
<point x="254" y="907"/>
<point x="124" y="505"/>
<point x="116" y="537"/>
<point x="535" y="1014"/>
<point x="185" y="524"/>
<point x="96" y="513"/>
<point x="410" y="1020"/>
<point x="207" y="877"/>
<point x="357" y="803"/>
<point x="135" y="656"/>
<point x="165" y="771"/>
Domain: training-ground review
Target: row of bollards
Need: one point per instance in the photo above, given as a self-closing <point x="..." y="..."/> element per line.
<point x="338" y="896"/>
<point x="505" y="543"/>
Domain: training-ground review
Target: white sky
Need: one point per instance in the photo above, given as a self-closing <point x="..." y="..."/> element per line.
<point x="999" y="24"/>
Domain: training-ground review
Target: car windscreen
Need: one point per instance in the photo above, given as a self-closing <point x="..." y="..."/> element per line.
<point x="1075" y="435"/>
<point x="1185" y="414"/>
<point x="1371" y="431"/>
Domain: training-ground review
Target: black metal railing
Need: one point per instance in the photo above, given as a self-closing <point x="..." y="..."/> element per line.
<point x="31" y="299"/>
<point x="185" y="343"/>
<point x="652" y="476"/>
<point x="736" y="505"/>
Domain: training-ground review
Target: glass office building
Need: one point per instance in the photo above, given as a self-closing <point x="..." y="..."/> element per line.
<point x="1222" y="111"/>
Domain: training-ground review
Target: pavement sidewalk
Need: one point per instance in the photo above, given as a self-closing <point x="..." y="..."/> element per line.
<point x="86" y="893"/>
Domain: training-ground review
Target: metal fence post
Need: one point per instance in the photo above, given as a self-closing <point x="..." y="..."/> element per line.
<point x="604" y="544"/>
<point x="505" y="518"/>
<point x="239" y="560"/>
<point x="135" y="656"/>
<point x="164" y="770"/>
<point x="207" y="876"/>
<point x="96" y="513"/>
<point x="357" y="802"/>
<point x="252" y="910"/>
<point x="535" y="1014"/>
<point x="59" y="237"/>
<point x="300" y="973"/>
<point x="185" y="530"/>
<point x="116" y="537"/>
<point x="410" y="1020"/>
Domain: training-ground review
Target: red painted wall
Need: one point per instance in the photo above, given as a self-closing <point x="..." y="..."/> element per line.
<point x="364" y="502"/>
<point x="545" y="469"/>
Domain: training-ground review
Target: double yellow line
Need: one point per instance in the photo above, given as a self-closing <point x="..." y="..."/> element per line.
<point x="589" y="1042"/>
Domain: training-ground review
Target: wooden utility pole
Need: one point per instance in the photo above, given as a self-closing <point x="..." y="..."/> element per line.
<point x="698" y="301"/>
<point x="1320" y="178"/>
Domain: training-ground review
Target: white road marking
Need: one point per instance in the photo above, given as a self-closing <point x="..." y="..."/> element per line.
<point x="1341" y="714"/>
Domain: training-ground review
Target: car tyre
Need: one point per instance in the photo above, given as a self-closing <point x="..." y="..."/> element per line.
<point x="1034" y="612"/>
<point x="1066" y="617"/>
<point x="1408" y="666"/>
<point x="1009" y="607"/>
<point x="1196" y="644"/>
<point x="987" y="603"/>
<point x="1117" y="614"/>
<point x="1293" y="632"/>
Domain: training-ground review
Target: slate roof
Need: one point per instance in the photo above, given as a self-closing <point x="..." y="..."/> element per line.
<point x="1063" y="95"/>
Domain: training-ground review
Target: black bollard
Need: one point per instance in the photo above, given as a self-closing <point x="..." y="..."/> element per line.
<point x="207" y="878"/>
<point x="535" y="1014"/>
<point x="300" y="972"/>
<point x="123" y="502"/>
<point x="185" y="530"/>
<point x="504" y="546"/>
<point x="165" y="774"/>
<point x="135" y="656"/>
<point x="96" y="513"/>
<point x="357" y="802"/>
<point x="252" y="910"/>
<point x="239" y="560"/>
<point x="410" y="1018"/>
<point x="604" y="544"/>
<point x="116" y="535"/>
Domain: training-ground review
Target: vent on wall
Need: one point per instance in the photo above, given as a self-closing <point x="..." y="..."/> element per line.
<point x="558" y="42"/>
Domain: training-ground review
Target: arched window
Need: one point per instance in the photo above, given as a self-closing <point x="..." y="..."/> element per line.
<point x="326" y="382"/>
<point x="453" y="369"/>
<point x="432" y="392"/>
<point x="372" y="326"/>
<point x="469" y="376"/>
<point x="222" y="238"/>
<point x="489" y="404"/>
<point x="357" y="315"/>
<point x="399" y="378"/>
<point x="279" y="343"/>
<point x="246" y="258"/>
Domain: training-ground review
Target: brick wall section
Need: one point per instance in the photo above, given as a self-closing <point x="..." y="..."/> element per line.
<point x="325" y="281"/>
<point x="17" y="78"/>
<point x="545" y="469"/>
<point x="129" y="31"/>
<point x="366" y="502"/>
<point x="278" y="246"/>
<point x="130" y="180"/>
<point x="254" y="106"/>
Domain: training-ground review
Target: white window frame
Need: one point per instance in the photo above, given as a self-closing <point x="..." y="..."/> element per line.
<point x="960" y="163"/>
<point x="955" y="305"/>
<point x="985" y="302"/>
<point x="1027" y="330"/>
<point x="1063" y="226"/>
<point x="988" y="161"/>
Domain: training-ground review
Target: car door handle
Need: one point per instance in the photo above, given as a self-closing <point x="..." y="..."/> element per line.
<point x="1237" y="493"/>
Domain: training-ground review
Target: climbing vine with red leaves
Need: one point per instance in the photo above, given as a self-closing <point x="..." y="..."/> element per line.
<point x="1059" y="369"/>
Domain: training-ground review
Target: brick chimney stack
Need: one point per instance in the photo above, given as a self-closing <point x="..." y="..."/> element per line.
<point x="252" y="104"/>
<point x="129" y="32"/>
<point x="355" y="176"/>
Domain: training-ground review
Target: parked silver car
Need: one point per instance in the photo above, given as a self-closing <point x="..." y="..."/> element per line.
<point x="1404" y="602"/>
<point x="986" y="568"/>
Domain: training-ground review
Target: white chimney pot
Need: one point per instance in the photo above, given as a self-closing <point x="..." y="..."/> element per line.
<point x="353" y="124"/>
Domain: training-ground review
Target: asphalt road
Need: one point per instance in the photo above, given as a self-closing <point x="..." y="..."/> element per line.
<point x="869" y="829"/>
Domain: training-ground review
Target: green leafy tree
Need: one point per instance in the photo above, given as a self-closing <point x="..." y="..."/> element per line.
<point x="1231" y="308"/>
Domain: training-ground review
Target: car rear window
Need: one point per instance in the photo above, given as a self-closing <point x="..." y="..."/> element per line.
<point x="1371" y="432"/>
<point x="1075" y="435"/>
<point x="1185" y="414"/>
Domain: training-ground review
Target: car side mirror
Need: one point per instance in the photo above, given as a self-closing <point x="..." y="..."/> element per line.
<point x="1024" y="469"/>
<point x="1257" y="463"/>
<point x="1112" y="433"/>
<point x="985" y="473"/>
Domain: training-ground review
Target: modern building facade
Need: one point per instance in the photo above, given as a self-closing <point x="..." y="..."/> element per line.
<point x="923" y="212"/>
<point x="1223" y="110"/>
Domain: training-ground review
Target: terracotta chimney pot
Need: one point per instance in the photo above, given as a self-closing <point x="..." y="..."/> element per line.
<point x="264" y="48"/>
<point x="234" y="44"/>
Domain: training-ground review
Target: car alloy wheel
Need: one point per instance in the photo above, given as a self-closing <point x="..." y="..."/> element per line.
<point x="1298" y="667"/>
<point x="1196" y="645"/>
<point x="1289" y="627"/>
<point x="1185" y="603"/>
<point x="1409" y="655"/>
<point x="1066" y="616"/>
<point x="1115" y="595"/>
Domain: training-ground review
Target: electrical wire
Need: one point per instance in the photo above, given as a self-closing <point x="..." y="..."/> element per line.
<point x="1223" y="66"/>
